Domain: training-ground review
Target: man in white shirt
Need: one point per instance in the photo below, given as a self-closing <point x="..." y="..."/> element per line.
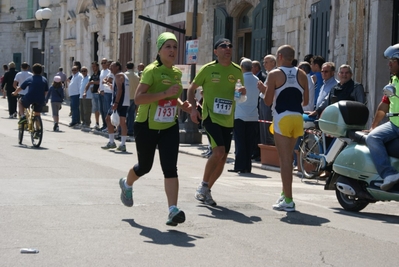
<point x="105" y="90"/>
<point x="73" y="89"/>
<point x="19" y="79"/>
<point x="85" y="104"/>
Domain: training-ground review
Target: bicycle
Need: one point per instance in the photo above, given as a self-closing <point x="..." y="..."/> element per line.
<point x="33" y="125"/>
<point x="314" y="157"/>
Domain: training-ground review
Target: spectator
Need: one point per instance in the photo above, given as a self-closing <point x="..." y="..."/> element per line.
<point x="105" y="91"/>
<point x="134" y="81"/>
<point x="4" y="92"/>
<point x="56" y="94"/>
<point x="265" y="112"/>
<point x="316" y="63"/>
<point x="246" y="121"/>
<point x="93" y="85"/>
<point x="8" y="82"/>
<point x="73" y="89"/>
<point x="329" y="81"/>
<point x="61" y="74"/>
<point x="85" y="105"/>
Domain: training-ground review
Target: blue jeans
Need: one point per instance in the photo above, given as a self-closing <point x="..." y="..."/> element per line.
<point x="131" y="113"/>
<point x="75" y="109"/>
<point x="376" y="141"/>
<point x="107" y="99"/>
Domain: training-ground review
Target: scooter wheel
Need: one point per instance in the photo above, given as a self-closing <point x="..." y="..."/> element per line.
<point x="350" y="203"/>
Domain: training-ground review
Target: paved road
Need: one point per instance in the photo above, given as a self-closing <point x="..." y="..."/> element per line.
<point x="63" y="199"/>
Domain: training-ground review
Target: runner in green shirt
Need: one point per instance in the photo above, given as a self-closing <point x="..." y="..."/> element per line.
<point x="156" y="125"/>
<point x="218" y="79"/>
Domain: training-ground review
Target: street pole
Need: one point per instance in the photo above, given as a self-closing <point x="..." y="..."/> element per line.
<point x="191" y="134"/>
<point x="43" y="24"/>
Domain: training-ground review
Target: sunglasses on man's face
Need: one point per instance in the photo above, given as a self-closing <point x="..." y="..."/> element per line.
<point x="224" y="46"/>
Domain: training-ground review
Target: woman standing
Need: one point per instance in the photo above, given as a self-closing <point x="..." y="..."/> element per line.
<point x="156" y="125"/>
<point x="56" y="92"/>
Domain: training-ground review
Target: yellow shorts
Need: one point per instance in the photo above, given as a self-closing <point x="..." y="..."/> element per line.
<point x="289" y="125"/>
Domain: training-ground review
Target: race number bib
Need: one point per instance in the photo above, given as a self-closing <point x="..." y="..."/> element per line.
<point x="222" y="106"/>
<point x="166" y="110"/>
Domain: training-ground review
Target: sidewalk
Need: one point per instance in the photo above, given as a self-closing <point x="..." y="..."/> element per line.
<point x="190" y="149"/>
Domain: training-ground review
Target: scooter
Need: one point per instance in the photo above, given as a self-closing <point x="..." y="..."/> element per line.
<point x="354" y="177"/>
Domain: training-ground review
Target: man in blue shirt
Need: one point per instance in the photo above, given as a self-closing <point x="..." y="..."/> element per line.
<point x="38" y="88"/>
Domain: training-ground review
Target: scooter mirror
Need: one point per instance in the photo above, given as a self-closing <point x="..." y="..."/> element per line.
<point x="389" y="90"/>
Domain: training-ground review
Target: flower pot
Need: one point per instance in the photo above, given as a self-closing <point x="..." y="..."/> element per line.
<point x="269" y="155"/>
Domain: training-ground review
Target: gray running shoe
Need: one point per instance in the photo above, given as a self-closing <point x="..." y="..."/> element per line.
<point x="208" y="198"/>
<point x="175" y="217"/>
<point x="109" y="145"/>
<point x="126" y="193"/>
<point x="122" y="148"/>
<point x="200" y="193"/>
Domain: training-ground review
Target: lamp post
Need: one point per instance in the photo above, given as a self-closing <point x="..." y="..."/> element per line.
<point x="43" y="15"/>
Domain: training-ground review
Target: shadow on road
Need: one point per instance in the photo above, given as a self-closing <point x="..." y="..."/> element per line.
<point x="171" y="237"/>
<point x="303" y="219"/>
<point x="223" y="213"/>
<point x="386" y="218"/>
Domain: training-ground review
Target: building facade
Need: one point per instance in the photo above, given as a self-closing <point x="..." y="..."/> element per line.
<point x="354" y="32"/>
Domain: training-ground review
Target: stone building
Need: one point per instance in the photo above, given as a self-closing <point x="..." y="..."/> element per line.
<point x="355" y="32"/>
<point x="21" y="34"/>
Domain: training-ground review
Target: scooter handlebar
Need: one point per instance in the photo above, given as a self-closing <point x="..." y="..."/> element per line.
<point x="392" y="114"/>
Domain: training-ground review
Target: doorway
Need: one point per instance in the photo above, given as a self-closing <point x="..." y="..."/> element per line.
<point x="244" y="33"/>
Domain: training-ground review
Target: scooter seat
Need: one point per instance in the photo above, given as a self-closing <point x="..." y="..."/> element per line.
<point x="353" y="113"/>
<point x="357" y="136"/>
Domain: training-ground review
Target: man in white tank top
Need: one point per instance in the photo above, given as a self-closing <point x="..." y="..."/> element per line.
<point x="287" y="90"/>
<point x="120" y="103"/>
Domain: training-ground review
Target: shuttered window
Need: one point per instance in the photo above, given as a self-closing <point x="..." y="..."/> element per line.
<point x="177" y="6"/>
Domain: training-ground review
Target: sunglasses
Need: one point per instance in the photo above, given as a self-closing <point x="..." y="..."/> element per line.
<point x="325" y="71"/>
<point x="84" y="70"/>
<point x="103" y="62"/>
<point x="224" y="46"/>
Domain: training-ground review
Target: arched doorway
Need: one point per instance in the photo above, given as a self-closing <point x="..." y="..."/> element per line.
<point x="244" y="33"/>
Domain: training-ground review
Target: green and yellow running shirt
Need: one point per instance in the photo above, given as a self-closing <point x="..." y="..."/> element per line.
<point x="394" y="101"/>
<point x="161" y="114"/>
<point x="218" y="84"/>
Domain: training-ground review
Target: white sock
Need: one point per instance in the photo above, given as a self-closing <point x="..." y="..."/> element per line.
<point x="126" y="185"/>
<point x="111" y="138"/>
<point x="171" y="208"/>
<point x="123" y="140"/>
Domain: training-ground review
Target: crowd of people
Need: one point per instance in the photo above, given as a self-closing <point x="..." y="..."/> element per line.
<point x="147" y="102"/>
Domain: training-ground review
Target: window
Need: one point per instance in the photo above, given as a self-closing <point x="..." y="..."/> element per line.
<point x="31" y="10"/>
<point x="177" y="6"/>
<point x="127" y="17"/>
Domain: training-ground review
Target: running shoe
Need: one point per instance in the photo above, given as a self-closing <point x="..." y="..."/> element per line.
<point x="281" y="198"/>
<point x="109" y="145"/>
<point x="122" y="148"/>
<point x="126" y="193"/>
<point x="284" y="206"/>
<point x="200" y="193"/>
<point x="208" y="199"/>
<point x="175" y="217"/>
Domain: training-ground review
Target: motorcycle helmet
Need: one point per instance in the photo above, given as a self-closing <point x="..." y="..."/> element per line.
<point x="392" y="52"/>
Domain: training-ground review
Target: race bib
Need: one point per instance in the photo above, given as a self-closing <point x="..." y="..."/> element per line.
<point x="222" y="106"/>
<point x="166" y="110"/>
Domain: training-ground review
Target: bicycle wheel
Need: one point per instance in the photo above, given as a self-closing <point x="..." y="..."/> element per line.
<point x="21" y="129"/>
<point x="308" y="160"/>
<point x="37" y="131"/>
